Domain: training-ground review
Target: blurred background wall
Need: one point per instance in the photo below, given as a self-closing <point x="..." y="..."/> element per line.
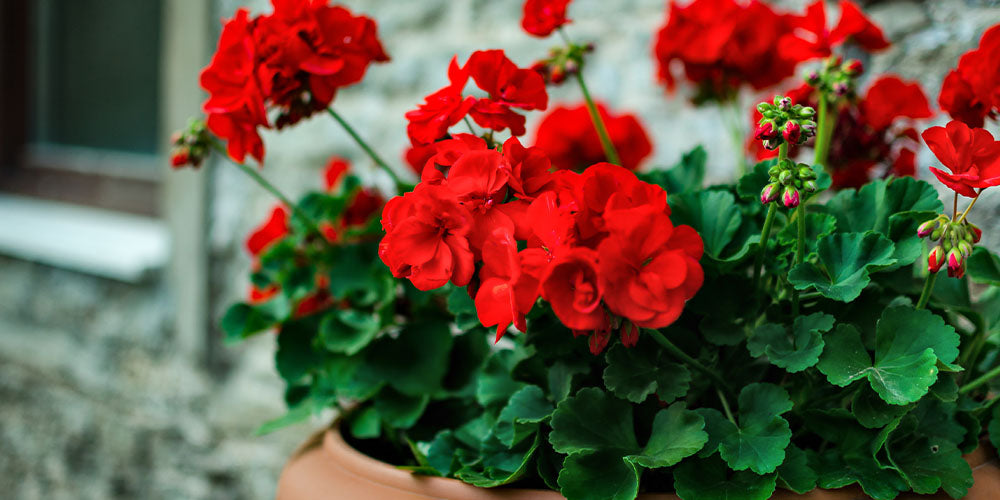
<point x="114" y="270"/>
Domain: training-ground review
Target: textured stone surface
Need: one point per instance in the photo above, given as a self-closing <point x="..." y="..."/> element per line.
<point x="95" y="400"/>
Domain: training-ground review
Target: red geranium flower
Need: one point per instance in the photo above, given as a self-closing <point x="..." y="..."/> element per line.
<point x="542" y="17"/>
<point x="567" y="135"/>
<point x="442" y="109"/>
<point x="723" y="45"/>
<point x="648" y="268"/>
<point x="572" y="286"/>
<point x="971" y="92"/>
<point x="812" y="39"/>
<point x="275" y="228"/>
<point x="426" y="238"/>
<point x="509" y="282"/>
<point x="972" y="155"/>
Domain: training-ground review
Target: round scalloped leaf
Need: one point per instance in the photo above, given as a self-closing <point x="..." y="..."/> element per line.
<point x="844" y="261"/>
<point x="598" y="476"/>
<point x="710" y="479"/>
<point x="634" y="374"/>
<point x="677" y="434"/>
<point x="593" y="421"/>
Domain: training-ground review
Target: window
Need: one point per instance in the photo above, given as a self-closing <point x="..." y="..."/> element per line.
<point x="82" y="79"/>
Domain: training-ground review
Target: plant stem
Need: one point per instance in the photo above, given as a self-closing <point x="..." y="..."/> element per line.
<point x="954" y="207"/>
<point x="800" y="250"/>
<point x="765" y="233"/>
<point x="602" y="132"/>
<point x="824" y="133"/>
<point x="609" y="148"/>
<point x="725" y="405"/>
<point x="270" y="188"/>
<point x="731" y="112"/>
<point x="928" y="287"/>
<point x="966" y="212"/>
<point x="990" y="375"/>
<point x="469" y="124"/>
<point x="364" y="145"/>
<point x="683" y="356"/>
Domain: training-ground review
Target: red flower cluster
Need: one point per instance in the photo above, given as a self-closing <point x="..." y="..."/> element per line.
<point x="874" y="137"/>
<point x="506" y="85"/>
<point x="971" y="92"/>
<point x="358" y="212"/>
<point x="568" y="137"/>
<point x="293" y="59"/>
<point x="811" y="39"/>
<point x="542" y="17"/>
<point x="724" y="44"/>
<point x="972" y="155"/>
<point x="599" y="246"/>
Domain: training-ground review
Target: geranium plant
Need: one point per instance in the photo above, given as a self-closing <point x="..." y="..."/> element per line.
<point x="541" y="315"/>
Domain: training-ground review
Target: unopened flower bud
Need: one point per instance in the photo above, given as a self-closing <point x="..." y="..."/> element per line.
<point x="792" y="132"/>
<point x="785" y="104"/>
<point x="770" y="193"/>
<point x="937" y="233"/>
<point x="786" y="177"/>
<point x="810" y="186"/>
<point x="834" y="61"/>
<point x="630" y="334"/>
<point x="571" y="67"/>
<point x="765" y="131"/>
<point x="790" y="197"/>
<point x="840" y="89"/>
<point x="557" y="75"/>
<point x="853" y="67"/>
<point x="806" y="173"/>
<point x="927" y="228"/>
<point x="956" y="263"/>
<point x="935" y="259"/>
<point x="965" y="247"/>
<point x="807" y="112"/>
<point x="763" y="107"/>
<point x="589" y="47"/>
<point x="977" y="234"/>
<point x="179" y="158"/>
<point x="774" y="171"/>
<point x="812" y="78"/>
<point x="771" y="144"/>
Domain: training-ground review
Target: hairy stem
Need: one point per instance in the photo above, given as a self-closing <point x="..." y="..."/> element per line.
<point x="925" y="295"/>
<point x="824" y="132"/>
<point x="990" y="375"/>
<point x="602" y="132"/>
<point x="683" y="356"/>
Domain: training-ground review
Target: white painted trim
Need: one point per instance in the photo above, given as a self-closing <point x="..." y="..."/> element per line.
<point x="100" y="242"/>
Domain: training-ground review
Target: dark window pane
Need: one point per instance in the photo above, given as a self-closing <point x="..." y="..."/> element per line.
<point x="97" y="73"/>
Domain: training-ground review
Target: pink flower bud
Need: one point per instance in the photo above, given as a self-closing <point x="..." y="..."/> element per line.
<point x="840" y="89"/>
<point x="956" y="263"/>
<point x="792" y="133"/>
<point x="977" y="234"/>
<point x="790" y="197"/>
<point x="630" y="334"/>
<point x="812" y="78"/>
<point x="770" y="193"/>
<point x="180" y="158"/>
<point x="935" y="259"/>
<point x="925" y="229"/>
<point x="853" y="67"/>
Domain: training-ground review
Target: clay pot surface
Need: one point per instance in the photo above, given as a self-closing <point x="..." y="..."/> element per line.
<point x="327" y="468"/>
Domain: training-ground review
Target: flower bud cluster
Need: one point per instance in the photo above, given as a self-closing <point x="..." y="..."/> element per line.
<point x="190" y="146"/>
<point x="783" y="122"/>
<point x="956" y="240"/>
<point x="562" y="63"/>
<point x="836" y="78"/>
<point x="787" y="181"/>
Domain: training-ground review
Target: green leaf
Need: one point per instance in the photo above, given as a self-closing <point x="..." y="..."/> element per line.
<point x="874" y="413"/>
<point x="415" y="362"/>
<point x="836" y="471"/>
<point x="499" y="466"/>
<point x="716" y="426"/>
<point x="366" y="424"/>
<point x="520" y="418"/>
<point x="399" y="410"/>
<point x="677" y="433"/>
<point x="983" y="267"/>
<point x="928" y="465"/>
<point x="772" y="340"/>
<point x="295" y="357"/>
<point x="495" y="383"/>
<point x="441" y="453"/>
<point x="909" y="345"/>
<point x="601" y="475"/>
<point x="844" y="263"/>
<point x="750" y="185"/>
<point x="795" y="474"/>
<point x="560" y="378"/>
<point x="710" y="479"/>
<point x="464" y="309"/>
<point x="300" y="413"/>
<point x="758" y="443"/>
<point x="717" y="219"/>
<point x="634" y="374"/>
<point x="593" y="421"/>
<point x="687" y="175"/>
<point x="244" y="320"/>
<point x="818" y="225"/>
<point x="348" y="330"/>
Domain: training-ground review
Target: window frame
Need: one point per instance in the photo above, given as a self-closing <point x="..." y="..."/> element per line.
<point x="84" y="176"/>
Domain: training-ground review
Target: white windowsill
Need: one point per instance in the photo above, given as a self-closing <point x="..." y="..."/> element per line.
<point x="100" y="242"/>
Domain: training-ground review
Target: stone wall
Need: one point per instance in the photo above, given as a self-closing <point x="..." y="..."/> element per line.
<point x="96" y="400"/>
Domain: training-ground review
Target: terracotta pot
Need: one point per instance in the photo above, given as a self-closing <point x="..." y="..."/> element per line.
<point x="327" y="468"/>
